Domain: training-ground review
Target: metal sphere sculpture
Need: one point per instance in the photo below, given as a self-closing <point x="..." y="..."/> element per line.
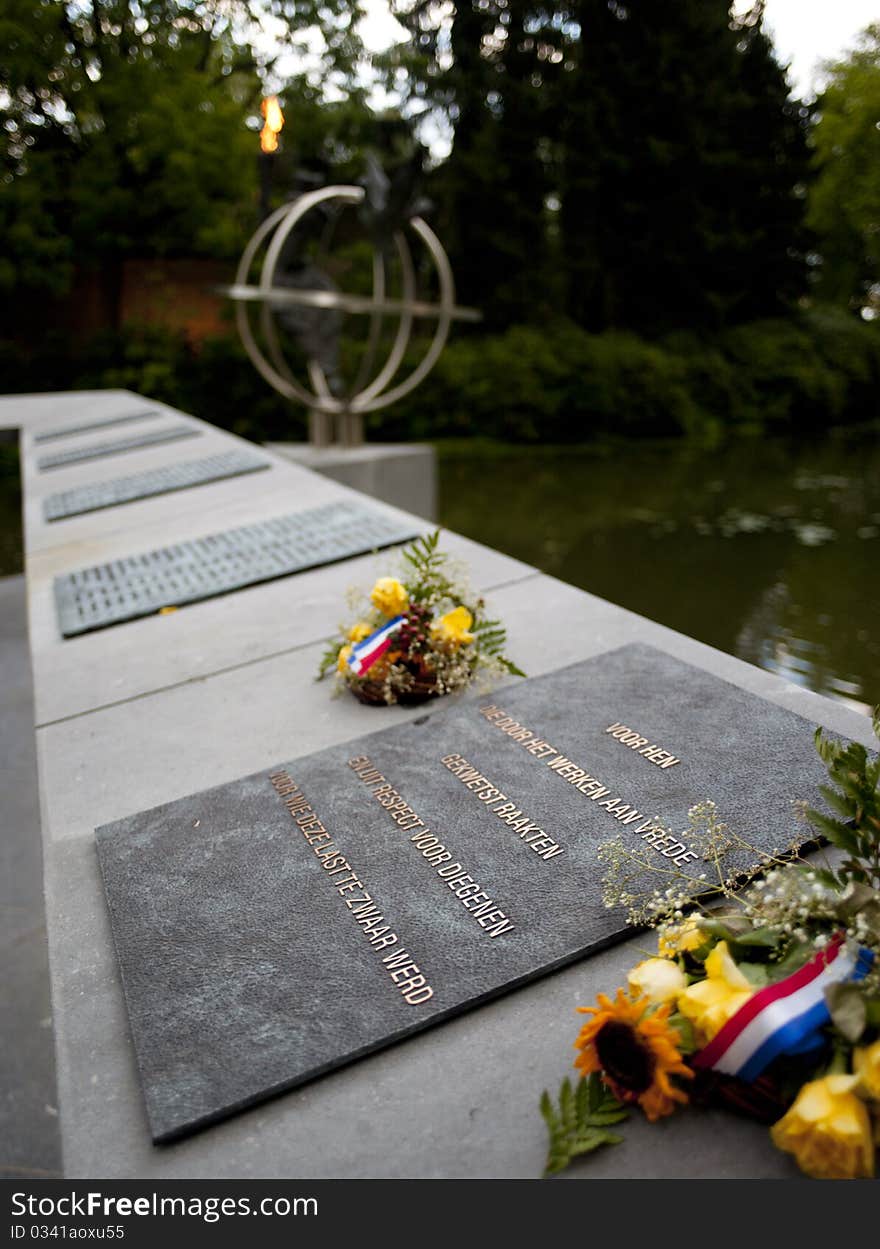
<point x="309" y="304"/>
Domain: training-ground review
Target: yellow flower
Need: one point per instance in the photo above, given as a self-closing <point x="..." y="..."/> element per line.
<point x="657" y="979"/>
<point x="389" y="596"/>
<point x="453" y="627"/>
<point x="709" y="1003"/>
<point x="677" y="938"/>
<point x="828" y="1130"/>
<point x="342" y="659"/>
<point x="866" y="1062"/>
<point x="359" y="631"/>
<point x="636" y="1051"/>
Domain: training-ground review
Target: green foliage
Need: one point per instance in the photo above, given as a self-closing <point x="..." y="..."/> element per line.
<point x="684" y="211"/>
<point x="427" y="582"/>
<point x="491" y="639"/>
<point x="557" y="384"/>
<point x="578" y="1123"/>
<point x="805" y="373"/>
<point x="854" y="796"/>
<point x="128" y="126"/>
<point x="844" y="199"/>
<point x="639" y="166"/>
<point x="214" y="381"/>
<point x="328" y="661"/>
<point x="848" y="1008"/>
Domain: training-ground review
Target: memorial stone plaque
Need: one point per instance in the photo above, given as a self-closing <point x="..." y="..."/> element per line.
<point x="182" y="476"/>
<point x="97" y="451"/>
<point x="141" y="585"/>
<point x="276" y="927"/>
<point x="68" y="431"/>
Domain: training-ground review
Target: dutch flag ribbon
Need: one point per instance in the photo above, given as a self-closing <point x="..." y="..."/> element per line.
<point x="783" y="1018"/>
<point x="364" y="654"/>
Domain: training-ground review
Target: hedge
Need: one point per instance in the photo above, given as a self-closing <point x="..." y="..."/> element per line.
<point x="555" y="383"/>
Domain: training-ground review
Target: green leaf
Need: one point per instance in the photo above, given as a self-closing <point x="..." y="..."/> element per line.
<point x="757" y="974"/>
<point x="728" y="929"/>
<point x="799" y="953"/>
<point x="857" y="898"/>
<point x="328" y="660"/>
<point x="823" y="875"/>
<point x="847" y="1006"/>
<point x="827" y="749"/>
<point x="763" y="937"/>
<point x="836" y="800"/>
<point x="838" y="834"/>
<point x="576" y="1126"/>
<point x="685" y="1029"/>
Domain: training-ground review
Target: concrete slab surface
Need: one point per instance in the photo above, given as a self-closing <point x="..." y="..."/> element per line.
<point x="30" y="1142"/>
<point x="402" y="473"/>
<point x="140" y="714"/>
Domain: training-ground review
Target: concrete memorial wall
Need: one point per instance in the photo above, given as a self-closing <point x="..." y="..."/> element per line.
<point x="153" y="712"/>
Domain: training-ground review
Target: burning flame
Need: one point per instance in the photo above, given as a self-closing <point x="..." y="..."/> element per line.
<point x="271" y="110"/>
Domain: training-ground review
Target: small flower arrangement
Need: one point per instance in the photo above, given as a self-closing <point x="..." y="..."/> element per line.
<point x="419" y="635"/>
<point x="767" y="1001"/>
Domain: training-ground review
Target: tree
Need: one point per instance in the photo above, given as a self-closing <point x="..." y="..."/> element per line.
<point x="683" y="169"/>
<point x="641" y="164"/>
<point x="844" y="201"/>
<point x="489" y="70"/>
<point x="125" y="125"/>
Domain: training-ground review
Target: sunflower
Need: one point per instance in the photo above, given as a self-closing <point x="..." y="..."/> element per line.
<point x="636" y="1050"/>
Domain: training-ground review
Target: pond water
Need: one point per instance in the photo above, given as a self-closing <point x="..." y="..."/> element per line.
<point x="766" y="549"/>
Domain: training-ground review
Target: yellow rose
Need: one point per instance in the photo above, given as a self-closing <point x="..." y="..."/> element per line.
<point x="389" y="596"/>
<point x="711" y="1002"/>
<point x="657" y="979"/>
<point x="676" y="938"/>
<point x="866" y="1062"/>
<point x="828" y="1131"/>
<point x="342" y="659"/>
<point x="453" y="627"/>
<point x="359" y="631"/>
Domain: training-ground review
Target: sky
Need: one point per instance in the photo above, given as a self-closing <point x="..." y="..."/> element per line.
<point x="805" y="32"/>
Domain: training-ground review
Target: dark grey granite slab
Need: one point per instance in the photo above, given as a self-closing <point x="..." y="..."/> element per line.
<point x="247" y="962"/>
<point x="140" y="585"/>
<point x="182" y="476"/>
<point x="97" y="451"/>
<point x="68" y="431"/>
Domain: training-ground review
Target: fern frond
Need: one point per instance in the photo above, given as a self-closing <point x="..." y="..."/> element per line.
<point x="577" y="1125"/>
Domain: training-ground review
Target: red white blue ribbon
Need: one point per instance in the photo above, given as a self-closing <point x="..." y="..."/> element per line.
<point x="783" y="1018"/>
<point x="364" y="654"/>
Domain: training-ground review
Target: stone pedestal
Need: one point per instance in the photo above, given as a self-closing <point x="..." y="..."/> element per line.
<point x="401" y="473"/>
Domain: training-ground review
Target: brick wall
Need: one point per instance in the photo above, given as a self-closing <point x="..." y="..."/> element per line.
<point x="177" y="294"/>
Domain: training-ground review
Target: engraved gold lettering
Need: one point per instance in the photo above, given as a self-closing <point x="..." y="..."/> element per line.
<point x="648" y="750"/>
<point x="431" y="848"/>
<point x="497" y="802"/>
<point x="589" y="786"/>
<point x="451" y="870"/>
<point x="344" y="878"/>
